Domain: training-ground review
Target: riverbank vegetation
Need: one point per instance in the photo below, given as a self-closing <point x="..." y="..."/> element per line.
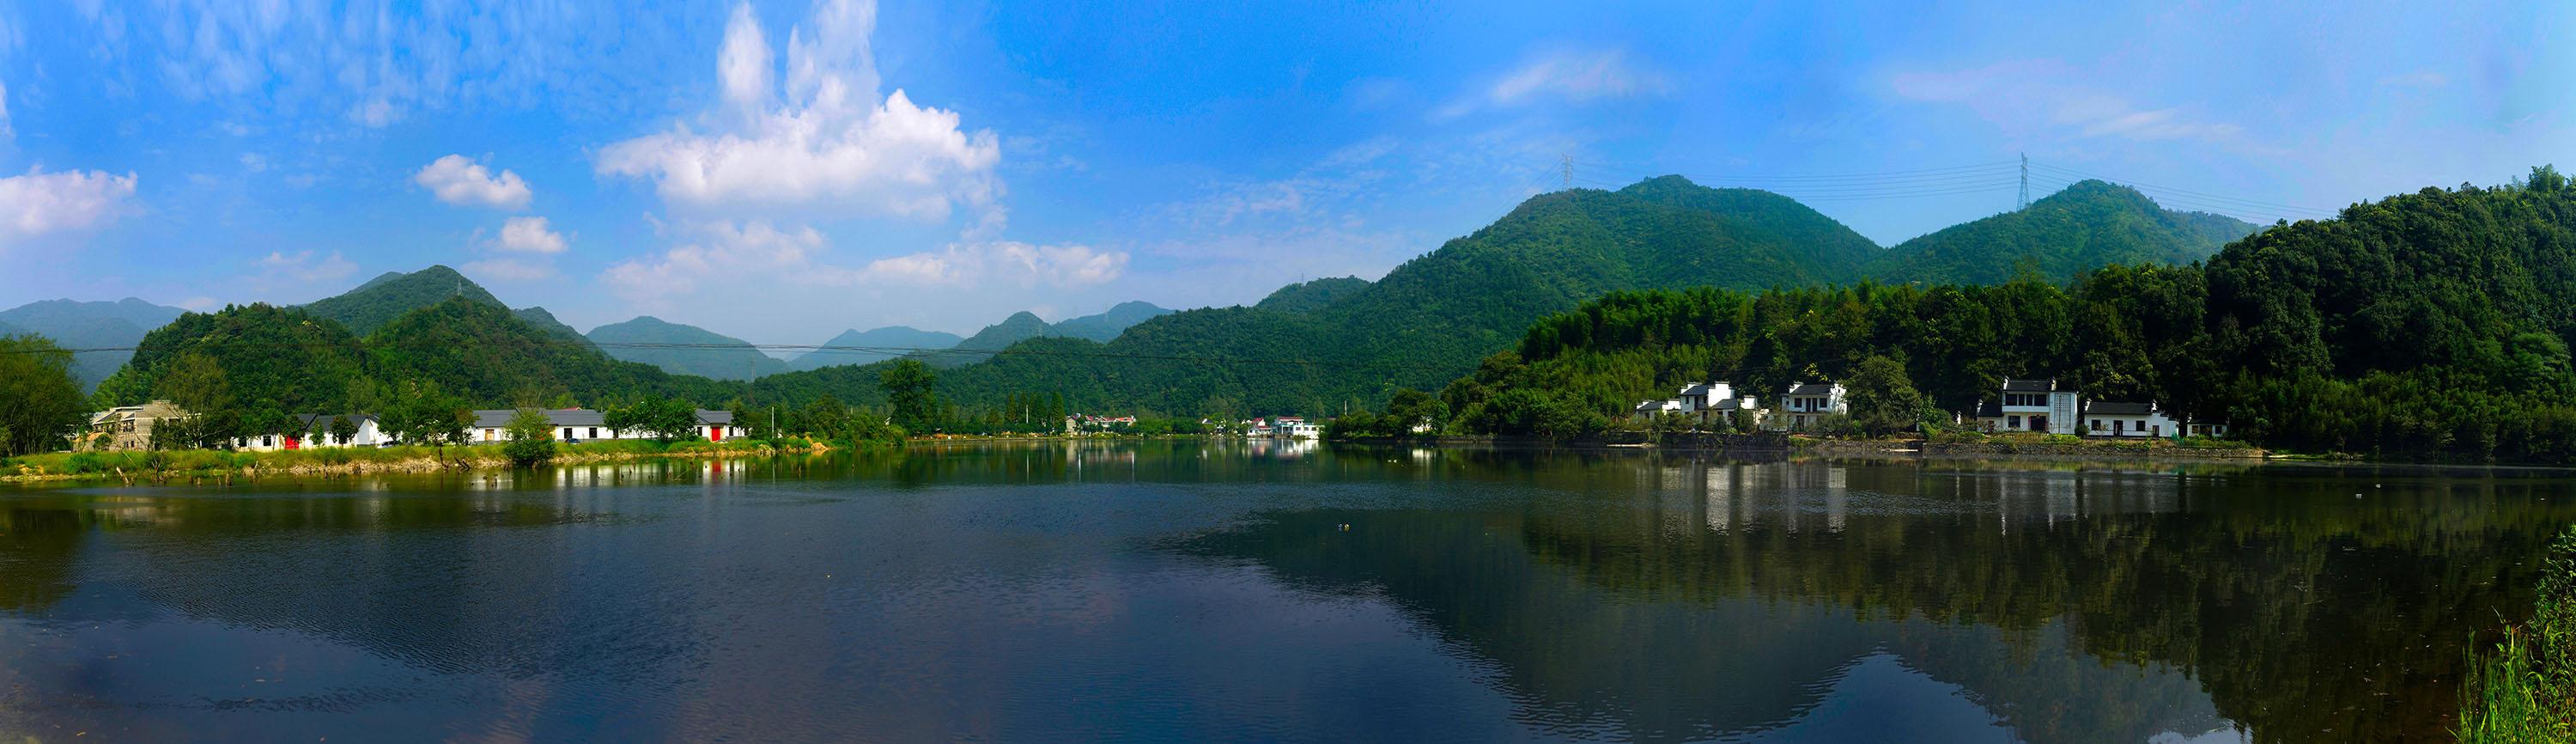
<point x="2433" y="324"/>
<point x="2523" y="691"/>
<point x="166" y="464"/>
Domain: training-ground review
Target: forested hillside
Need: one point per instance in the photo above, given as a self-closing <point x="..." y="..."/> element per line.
<point x="390" y="295"/>
<point x="1108" y="324"/>
<point x="2088" y="225"/>
<point x="1310" y="296"/>
<point x="1428" y="319"/>
<point x="266" y="358"/>
<point x="740" y="363"/>
<point x="2436" y="323"/>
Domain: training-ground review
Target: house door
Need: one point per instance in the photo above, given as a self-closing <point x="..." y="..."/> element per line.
<point x="715" y="433"/>
<point x="2039" y="423"/>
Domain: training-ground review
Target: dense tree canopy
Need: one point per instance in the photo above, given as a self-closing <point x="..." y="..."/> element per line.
<point x="40" y="395"/>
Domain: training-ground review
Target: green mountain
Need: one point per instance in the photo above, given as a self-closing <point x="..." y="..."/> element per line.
<point x="538" y="318"/>
<point x="896" y="337"/>
<point x="389" y="296"/>
<point x="733" y="359"/>
<point x="1021" y="326"/>
<point x="2434" y="324"/>
<point x="1307" y="297"/>
<point x="2088" y="225"/>
<point x="92" y="325"/>
<point x="1422" y="324"/>
<point x="1108" y="325"/>
<point x="290" y="360"/>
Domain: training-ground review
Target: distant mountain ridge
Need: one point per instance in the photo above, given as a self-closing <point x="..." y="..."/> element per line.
<point x="2085" y="226"/>
<point x="744" y="363"/>
<point x="92" y="325"/>
<point x="892" y="337"/>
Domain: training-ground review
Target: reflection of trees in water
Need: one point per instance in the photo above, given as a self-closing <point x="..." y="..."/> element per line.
<point x="2297" y="607"/>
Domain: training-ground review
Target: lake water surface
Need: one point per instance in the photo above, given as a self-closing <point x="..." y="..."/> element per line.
<point x="1197" y="591"/>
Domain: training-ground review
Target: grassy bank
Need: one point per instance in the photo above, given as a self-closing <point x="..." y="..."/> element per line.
<point x="2524" y="689"/>
<point x="164" y="465"/>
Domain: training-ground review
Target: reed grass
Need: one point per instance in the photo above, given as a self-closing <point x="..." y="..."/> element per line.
<point x="2523" y="690"/>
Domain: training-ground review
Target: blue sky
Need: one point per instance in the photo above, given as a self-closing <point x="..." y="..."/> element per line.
<point x="780" y="171"/>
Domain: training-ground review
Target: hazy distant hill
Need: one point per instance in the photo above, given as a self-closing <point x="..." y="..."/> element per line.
<point x="1307" y="297"/>
<point x="92" y="325"/>
<point x="394" y="293"/>
<point x="896" y="337"/>
<point x="1108" y="325"/>
<point x="2088" y="225"/>
<point x="742" y="363"/>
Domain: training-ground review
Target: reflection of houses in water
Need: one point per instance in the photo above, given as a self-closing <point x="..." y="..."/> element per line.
<point x="1285" y="449"/>
<point x="1774" y="494"/>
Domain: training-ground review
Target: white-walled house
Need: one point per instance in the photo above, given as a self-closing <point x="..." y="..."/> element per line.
<point x="1804" y="406"/>
<point x="1701" y="401"/>
<point x="2033" y="405"/>
<point x="2143" y="420"/>
<point x="303" y="438"/>
<point x="583" y="424"/>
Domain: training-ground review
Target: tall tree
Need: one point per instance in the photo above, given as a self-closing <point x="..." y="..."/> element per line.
<point x="909" y="389"/>
<point x="40" y="395"/>
<point x="1882" y="398"/>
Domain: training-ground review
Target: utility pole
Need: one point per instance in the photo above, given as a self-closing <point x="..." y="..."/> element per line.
<point x="1565" y="166"/>
<point x="2025" y="183"/>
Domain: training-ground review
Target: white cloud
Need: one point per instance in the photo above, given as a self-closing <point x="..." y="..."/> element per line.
<point x="720" y="250"/>
<point x="40" y="202"/>
<point x="2044" y="97"/>
<point x="530" y="235"/>
<point x="252" y="162"/>
<point x="757" y="251"/>
<point x="1579" y="77"/>
<point x="457" y="180"/>
<point x="511" y="269"/>
<point x="829" y="146"/>
<point x="303" y="267"/>
<point x="971" y="264"/>
<point x="5" y="131"/>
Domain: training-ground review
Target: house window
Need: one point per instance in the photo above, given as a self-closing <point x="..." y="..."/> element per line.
<point x="487" y="435"/>
<point x="268" y="441"/>
<point x="2097" y="424"/>
<point x="567" y="432"/>
<point x="2012" y="422"/>
<point x="2142" y="424"/>
<point x="594" y="433"/>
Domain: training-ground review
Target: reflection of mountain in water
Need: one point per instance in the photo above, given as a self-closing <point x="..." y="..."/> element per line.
<point x="2073" y="606"/>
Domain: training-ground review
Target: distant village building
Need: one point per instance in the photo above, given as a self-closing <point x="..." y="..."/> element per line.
<point x="127" y="427"/>
<point x="2032" y="405"/>
<point x="2108" y="419"/>
<point x="1803" y="407"/>
<point x="583" y="424"/>
<point x="1701" y="402"/>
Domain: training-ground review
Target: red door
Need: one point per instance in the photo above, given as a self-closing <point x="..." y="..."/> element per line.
<point x="715" y="433"/>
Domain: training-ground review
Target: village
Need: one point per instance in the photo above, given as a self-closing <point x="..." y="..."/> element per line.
<point x="2021" y="405"/>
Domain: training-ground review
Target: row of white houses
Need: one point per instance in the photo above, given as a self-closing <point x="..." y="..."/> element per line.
<point x="2020" y="405"/>
<point x="490" y="427"/>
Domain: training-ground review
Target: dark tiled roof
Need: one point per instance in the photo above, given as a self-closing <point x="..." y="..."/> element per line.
<point x="1990" y="409"/>
<point x="1699" y="389"/>
<point x="2030" y="385"/>
<point x="2101" y="408"/>
<point x="1813" y="388"/>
